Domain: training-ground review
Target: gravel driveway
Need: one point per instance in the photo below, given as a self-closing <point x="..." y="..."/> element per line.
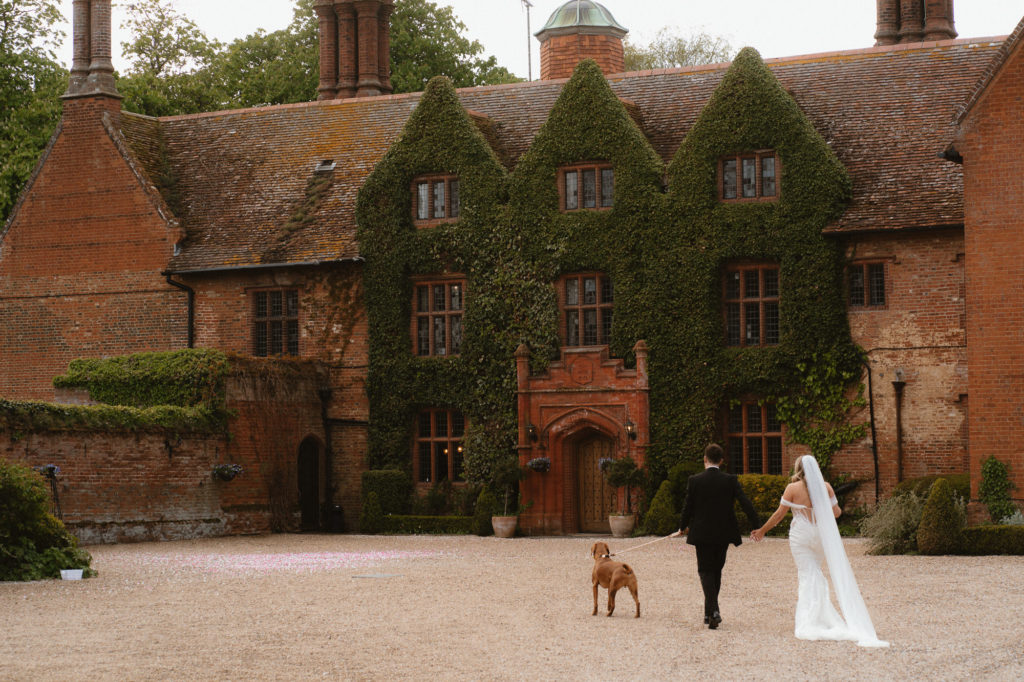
<point x="352" y="607"/>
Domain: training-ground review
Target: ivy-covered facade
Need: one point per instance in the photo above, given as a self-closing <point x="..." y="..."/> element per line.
<point x="666" y="245"/>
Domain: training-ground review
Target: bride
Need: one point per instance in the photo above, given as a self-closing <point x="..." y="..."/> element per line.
<point x="814" y="536"/>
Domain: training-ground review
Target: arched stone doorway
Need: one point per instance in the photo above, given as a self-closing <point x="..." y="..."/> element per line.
<point x="594" y="497"/>
<point x="308" y="469"/>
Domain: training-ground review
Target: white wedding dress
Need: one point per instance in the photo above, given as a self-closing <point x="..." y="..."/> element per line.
<point x="813" y="539"/>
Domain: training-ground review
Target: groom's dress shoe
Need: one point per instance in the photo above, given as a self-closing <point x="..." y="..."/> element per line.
<point x="714" y="620"/>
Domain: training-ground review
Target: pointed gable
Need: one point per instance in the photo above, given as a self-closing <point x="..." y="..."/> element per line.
<point x="588" y="122"/>
<point x="750" y="111"/>
<point x="440" y="136"/>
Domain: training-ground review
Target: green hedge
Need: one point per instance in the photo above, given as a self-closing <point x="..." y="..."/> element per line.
<point x="393" y="488"/>
<point x="921" y="486"/>
<point x="983" y="540"/>
<point x="186" y="378"/>
<point x="429" y="525"/>
<point x="765" y="492"/>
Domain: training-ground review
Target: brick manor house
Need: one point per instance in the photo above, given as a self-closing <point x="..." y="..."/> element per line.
<point x="590" y="265"/>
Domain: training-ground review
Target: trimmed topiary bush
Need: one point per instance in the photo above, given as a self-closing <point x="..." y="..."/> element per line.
<point x="994" y="489"/>
<point x="33" y="544"/>
<point x="393" y="488"/>
<point x="942" y="521"/>
<point x="486" y="507"/>
<point x="662" y="517"/>
<point x="892" y="527"/>
<point x="371" y="520"/>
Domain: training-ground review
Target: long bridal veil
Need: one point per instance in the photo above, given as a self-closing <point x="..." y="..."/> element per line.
<point x="847" y="593"/>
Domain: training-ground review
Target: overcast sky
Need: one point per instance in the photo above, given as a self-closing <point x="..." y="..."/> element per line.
<point x="777" y="28"/>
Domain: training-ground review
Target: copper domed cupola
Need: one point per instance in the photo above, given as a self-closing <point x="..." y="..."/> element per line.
<point x="578" y="30"/>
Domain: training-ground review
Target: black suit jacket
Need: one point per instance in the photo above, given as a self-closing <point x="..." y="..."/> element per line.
<point x="708" y="511"/>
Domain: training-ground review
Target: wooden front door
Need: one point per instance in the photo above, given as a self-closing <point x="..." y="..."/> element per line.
<point x="596" y="497"/>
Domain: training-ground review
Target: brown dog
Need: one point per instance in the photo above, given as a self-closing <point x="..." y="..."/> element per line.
<point x="612" y="575"/>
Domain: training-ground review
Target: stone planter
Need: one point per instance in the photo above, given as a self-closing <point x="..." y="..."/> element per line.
<point x="504" y="526"/>
<point x="622" y="526"/>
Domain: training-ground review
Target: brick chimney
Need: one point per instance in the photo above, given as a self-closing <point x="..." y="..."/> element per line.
<point x="92" y="72"/>
<point x="911" y="21"/>
<point x="355" y="47"/>
<point x="578" y="30"/>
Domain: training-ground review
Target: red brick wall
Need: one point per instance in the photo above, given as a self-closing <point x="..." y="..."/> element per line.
<point x="559" y="55"/>
<point x="993" y="136"/>
<point x="125" y="487"/>
<point x="919" y="330"/>
<point x="80" y="264"/>
<point x="332" y="329"/>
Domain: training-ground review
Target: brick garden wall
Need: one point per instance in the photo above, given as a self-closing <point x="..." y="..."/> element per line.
<point x="126" y="487"/>
<point x="993" y="135"/>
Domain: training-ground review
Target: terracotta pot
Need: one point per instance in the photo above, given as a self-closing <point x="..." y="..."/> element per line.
<point x="504" y="526"/>
<point x="622" y="526"/>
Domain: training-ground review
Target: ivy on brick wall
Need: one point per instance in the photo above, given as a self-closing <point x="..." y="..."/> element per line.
<point x="184" y="378"/>
<point x="439" y="137"/>
<point x="664" y="252"/>
<point x="177" y="391"/>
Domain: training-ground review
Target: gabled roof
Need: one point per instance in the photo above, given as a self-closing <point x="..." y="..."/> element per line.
<point x="886" y="113"/>
<point x="1009" y="45"/>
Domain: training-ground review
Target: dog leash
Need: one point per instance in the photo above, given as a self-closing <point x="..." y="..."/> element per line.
<point x="630" y="549"/>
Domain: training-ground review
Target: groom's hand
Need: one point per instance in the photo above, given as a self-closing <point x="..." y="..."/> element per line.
<point x="677" y="534"/>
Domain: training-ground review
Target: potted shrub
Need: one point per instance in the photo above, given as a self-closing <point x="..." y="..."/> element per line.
<point x="622" y="473"/>
<point x="505" y="476"/>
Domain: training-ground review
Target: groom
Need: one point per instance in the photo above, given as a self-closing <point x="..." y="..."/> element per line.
<point x="709" y="516"/>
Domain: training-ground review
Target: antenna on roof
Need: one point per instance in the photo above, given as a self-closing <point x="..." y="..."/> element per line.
<point x="529" y="46"/>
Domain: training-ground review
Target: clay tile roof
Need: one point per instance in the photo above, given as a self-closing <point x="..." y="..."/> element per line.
<point x="886" y="112"/>
<point x="1011" y="42"/>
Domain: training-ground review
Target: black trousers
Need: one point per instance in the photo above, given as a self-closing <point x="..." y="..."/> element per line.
<point x="710" y="560"/>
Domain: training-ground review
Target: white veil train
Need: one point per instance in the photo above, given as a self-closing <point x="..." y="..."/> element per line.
<point x="855" y="613"/>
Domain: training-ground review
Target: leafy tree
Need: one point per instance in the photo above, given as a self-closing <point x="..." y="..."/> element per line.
<point x="427" y="41"/>
<point x="168" y="55"/>
<point x="163" y="41"/>
<point x="31" y="82"/>
<point x="176" y="69"/>
<point x="671" y="50"/>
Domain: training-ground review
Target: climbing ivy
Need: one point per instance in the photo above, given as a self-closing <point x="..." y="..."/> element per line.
<point x="665" y="253"/>
<point x="184" y="378"/>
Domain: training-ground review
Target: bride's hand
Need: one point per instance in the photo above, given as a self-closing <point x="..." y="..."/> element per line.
<point x="757" y="535"/>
